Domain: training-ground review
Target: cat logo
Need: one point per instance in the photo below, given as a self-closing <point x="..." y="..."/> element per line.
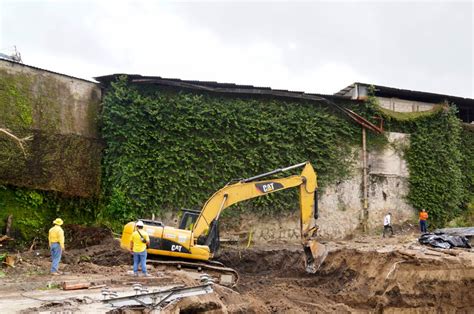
<point x="267" y="187"/>
<point x="175" y="248"/>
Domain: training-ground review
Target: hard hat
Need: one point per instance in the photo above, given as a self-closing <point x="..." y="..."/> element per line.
<point x="58" y="221"/>
<point x="139" y="223"/>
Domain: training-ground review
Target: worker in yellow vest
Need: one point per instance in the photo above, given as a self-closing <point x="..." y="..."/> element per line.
<point x="56" y="245"/>
<point x="138" y="244"/>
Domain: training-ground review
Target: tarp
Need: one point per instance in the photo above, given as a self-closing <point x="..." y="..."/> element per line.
<point x="443" y="240"/>
<point x="465" y="231"/>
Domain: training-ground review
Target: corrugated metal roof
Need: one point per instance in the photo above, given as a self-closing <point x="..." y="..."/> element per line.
<point x="217" y="87"/>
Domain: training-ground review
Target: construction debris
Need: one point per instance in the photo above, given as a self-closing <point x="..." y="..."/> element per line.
<point x="75" y="285"/>
<point x="7" y="260"/>
<point x="444" y="241"/>
<point x="157" y="299"/>
<point x="467" y="232"/>
<point x="4" y="238"/>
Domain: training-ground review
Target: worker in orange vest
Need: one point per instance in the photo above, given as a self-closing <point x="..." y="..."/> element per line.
<point x="423" y="218"/>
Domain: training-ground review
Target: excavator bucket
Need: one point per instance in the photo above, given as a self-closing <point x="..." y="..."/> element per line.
<point x="315" y="255"/>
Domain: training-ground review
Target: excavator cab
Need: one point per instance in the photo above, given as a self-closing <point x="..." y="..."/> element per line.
<point x="188" y="218"/>
<point x="209" y="238"/>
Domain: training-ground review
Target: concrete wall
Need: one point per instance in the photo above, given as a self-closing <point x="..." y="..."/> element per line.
<point x="401" y="105"/>
<point x="60" y="113"/>
<point x="341" y="204"/>
<point x="395" y="104"/>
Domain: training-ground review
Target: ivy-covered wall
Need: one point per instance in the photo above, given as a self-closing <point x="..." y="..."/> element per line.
<point x="166" y="149"/>
<point x="169" y="149"/>
<point x="59" y="171"/>
<point x="440" y="161"/>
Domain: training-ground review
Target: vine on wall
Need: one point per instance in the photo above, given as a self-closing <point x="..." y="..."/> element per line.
<point x="33" y="211"/>
<point x="168" y="149"/>
<point x="439" y="163"/>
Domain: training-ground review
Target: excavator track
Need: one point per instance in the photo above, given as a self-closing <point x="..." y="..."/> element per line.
<point x="219" y="267"/>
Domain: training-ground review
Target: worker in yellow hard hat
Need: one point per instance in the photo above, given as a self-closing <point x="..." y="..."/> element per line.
<point x="56" y="245"/>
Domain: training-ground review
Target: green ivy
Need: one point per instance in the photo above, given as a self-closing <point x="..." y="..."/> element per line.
<point x="33" y="211"/>
<point x="467" y="162"/>
<point x="435" y="156"/>
<point x="171" y="149"/>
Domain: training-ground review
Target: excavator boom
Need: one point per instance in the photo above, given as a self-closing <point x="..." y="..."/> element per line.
<point x="245" y="189"/>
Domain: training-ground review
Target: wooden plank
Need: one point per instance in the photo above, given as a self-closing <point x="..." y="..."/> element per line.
<point x="75" y="285"/>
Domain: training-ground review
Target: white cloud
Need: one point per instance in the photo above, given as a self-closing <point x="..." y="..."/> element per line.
<point x="312" y="47"/>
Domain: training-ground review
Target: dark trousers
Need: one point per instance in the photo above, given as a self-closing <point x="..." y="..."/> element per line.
<point x="386" y="228"/>
<point x="423" y="226"/>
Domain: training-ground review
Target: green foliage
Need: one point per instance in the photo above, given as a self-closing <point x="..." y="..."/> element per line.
<point x="117" y="208"/>
<point x="33" y="211"/>
<point x="167" y="149"/>
<point x="466" y="219"/>
<point x="467" y="162"/>
<point x="371" y="111"/>
<point x="15" y="101"/>
<point x="434" y="159"/>
<point x="29" y="197"/>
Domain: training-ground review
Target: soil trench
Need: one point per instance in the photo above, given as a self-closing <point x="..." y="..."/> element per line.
<point x="360" y="275"/>
<point x="357" y="280"/>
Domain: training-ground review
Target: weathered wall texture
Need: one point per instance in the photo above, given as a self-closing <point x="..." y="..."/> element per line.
<point x="340" y="205"/>
<point x="60" y="113"/>
<point x="402" y="105"/>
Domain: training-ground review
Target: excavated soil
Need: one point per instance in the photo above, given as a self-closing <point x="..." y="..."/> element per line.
<point x="79" y="237"/>
<point x="356" y="280"/>
<point x="367" y="275"/>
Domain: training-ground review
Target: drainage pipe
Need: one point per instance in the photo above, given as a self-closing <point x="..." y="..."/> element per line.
<point x="365" y="212"/>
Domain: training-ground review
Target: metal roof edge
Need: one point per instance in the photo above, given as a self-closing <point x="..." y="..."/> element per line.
<point x="49" y="71"/>
<point x="219" y="87"/>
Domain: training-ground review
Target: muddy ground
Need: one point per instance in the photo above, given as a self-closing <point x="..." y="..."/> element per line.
<point x="365" y="274"/>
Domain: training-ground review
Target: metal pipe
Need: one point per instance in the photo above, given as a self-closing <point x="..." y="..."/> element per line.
<point x="364" y="177"/>
<point x="272" y="172"/>
<point x="222" y="206"/>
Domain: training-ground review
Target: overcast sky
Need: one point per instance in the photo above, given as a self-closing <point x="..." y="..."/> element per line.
<point x="306" y="46"/>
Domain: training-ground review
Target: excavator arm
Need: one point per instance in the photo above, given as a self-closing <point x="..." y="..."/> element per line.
<point x="249" y="188"/>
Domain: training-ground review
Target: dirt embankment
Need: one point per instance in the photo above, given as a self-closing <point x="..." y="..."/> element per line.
<point x="357" y="279"/>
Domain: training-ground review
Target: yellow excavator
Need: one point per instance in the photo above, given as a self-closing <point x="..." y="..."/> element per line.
<point x="197" y="238"/>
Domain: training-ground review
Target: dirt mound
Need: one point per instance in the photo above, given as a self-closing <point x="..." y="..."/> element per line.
<point x="78" y="237"/>
<point x="108" y="253"/>
<point x="93" y="245"/>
